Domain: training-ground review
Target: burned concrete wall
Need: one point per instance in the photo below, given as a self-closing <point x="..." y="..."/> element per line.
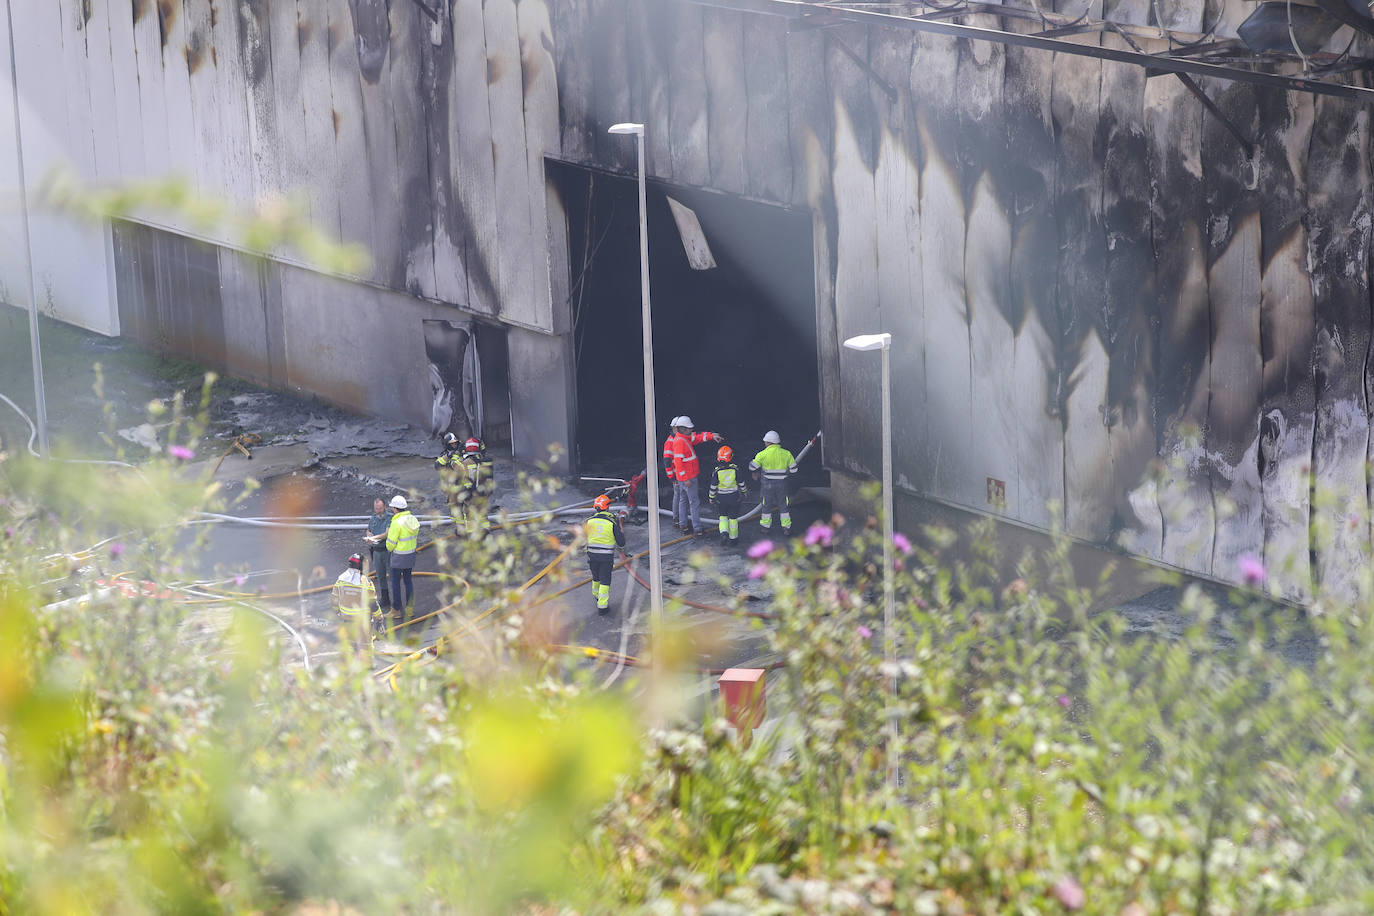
<point x="417" y="130"/>
<point x="1109" y="315"/>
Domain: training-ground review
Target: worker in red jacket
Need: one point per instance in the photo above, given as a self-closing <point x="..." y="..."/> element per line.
<point x="681" y="466"/>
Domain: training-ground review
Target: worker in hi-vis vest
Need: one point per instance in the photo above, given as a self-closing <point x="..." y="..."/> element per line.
<point x="774" y="465"/>
<point x="727" y="489"/>
<point x="680" y="464"/>
<point x="401" y="540"/>
<point x="604" y="538"/>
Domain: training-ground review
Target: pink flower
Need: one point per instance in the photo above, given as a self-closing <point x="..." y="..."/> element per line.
<point x="1251" y="569"/>
<point x="180" y="452"/>
<point x="760" y="549"/>
<point x="758" y="570"/>
<point x="900" y="542"/>
<point x="1065" y="701"/>
<point x="116" y="550"/>
<point x="818" y="534"/>
<point x="1069" y="893"/>
<point x="240" y="579"/>
<point x="864" y="631"/>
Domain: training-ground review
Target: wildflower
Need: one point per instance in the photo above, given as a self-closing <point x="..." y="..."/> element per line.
<point x="818" y="534"/>
<point x="240" y="579"/>
<point x="116" y="550"/>
<point x="864" y="631"/>
<point x="900" y="541"/>
<point x="758" y="570"/>
<point x="1064" y="701"/>
<point x="760" y="549"/>
<point x="1069" y="893"/>
<point x="180" y="452"/>
<point x="1251" y="569"/>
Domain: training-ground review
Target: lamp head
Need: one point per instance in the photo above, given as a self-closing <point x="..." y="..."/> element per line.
<point x="627" y="128"/>
<point x="869" y="342"/>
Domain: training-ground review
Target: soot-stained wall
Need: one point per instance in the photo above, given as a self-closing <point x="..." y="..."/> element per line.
<point x="1096" y="295"/>
<point x="1156" y="340"/>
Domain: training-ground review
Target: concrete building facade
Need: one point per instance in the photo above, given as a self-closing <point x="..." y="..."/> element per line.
<point x="1118" y="310"/>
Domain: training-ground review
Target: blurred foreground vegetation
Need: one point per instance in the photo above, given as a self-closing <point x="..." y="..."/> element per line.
<point x="164" y="755"/>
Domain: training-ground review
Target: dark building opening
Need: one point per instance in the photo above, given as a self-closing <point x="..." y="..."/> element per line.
<point x="734" y="344"/>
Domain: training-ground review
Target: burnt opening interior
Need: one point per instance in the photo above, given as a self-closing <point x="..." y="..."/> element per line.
<point x="734" y="345"/>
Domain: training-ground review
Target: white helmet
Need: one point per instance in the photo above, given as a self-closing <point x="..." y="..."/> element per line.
<point x="676" y="422"/>
<point x="398" y="502"/>
<point x="686" y="421"/>
<point x="772" y="437"/>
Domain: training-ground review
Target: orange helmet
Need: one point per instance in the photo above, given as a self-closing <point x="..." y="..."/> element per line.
<point x="472" y="445"/>
<point x="725" y="453"/>
<point x="601" y="503"/>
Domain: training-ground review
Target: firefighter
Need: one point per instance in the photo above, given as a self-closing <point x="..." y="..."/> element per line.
<point x="402" y="538"/>
<point x="775" y="465"/>
<point x="681" y="466"/>
<point x="604" y="538"/>
<point x="451" y="477"/>
<point x="354" y="597"/>
<point x="480" y="480"/>
<point x="727" y="490"/>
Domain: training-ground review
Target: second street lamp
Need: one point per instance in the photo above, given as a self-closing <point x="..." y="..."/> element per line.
<point x="883" y="342"/>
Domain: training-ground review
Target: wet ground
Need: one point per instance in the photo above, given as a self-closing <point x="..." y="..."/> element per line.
<point x="315" y="459"/>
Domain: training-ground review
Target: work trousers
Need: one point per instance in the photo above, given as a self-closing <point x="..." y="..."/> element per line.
<point x="727" y="504"/>
<point x="687" y="504"/>
<point x="775" y="499"/>
<point x="601" y="565"/>
<point x="381" y="565"/>
<point x="400" y="578"/>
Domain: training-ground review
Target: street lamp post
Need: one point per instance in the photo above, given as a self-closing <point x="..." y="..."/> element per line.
<point x="883" y="342"/>
<point x="40" y="402"/>
<point x="650" y="425"/>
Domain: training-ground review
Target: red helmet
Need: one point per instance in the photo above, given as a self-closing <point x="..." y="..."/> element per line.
<point x="601" y="503"/>
<point x="356" y="561"/>
<point x="472" y="445"/>
<point x="725" y="453"/>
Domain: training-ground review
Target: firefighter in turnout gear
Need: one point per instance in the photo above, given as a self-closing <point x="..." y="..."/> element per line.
<point x="727" y="490"/>
<point x="452" y="477"/>
<point x="604" y="538"/>
<point x="480" y="480"/>
<point x="354" y="597"/>
<point x="775" y="465"/>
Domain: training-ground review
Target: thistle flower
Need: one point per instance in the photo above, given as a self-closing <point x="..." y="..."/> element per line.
<point x="758" y="570"/>
<point x="180" y="452"/>
<point x="760" y="549"/>
<point x="818" y="534"/>
<point x="1252" y="570"/>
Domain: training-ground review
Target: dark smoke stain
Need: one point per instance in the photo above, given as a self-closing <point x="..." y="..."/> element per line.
<point x="85" y="12"/>
<point x="195" y="51"/>
<point x="140" y="9"/>
<point x="494" y="70"/>
<point x="303" y="29"/>
<point x="372" y="26"/>
<point x="254" y="55"/>
<point x="166" y="16"/>
<point x="336" y="118"/>
<point x="214" y="15"/>
<point x="331" y="39"/>
<point x="214" y="56"/>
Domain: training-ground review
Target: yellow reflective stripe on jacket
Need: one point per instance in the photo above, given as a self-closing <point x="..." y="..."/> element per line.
<point x="776" y="463"/>
<point x="403" y="533"/>
<point x="354" y="598"/>
<point x="601" y="534"/>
